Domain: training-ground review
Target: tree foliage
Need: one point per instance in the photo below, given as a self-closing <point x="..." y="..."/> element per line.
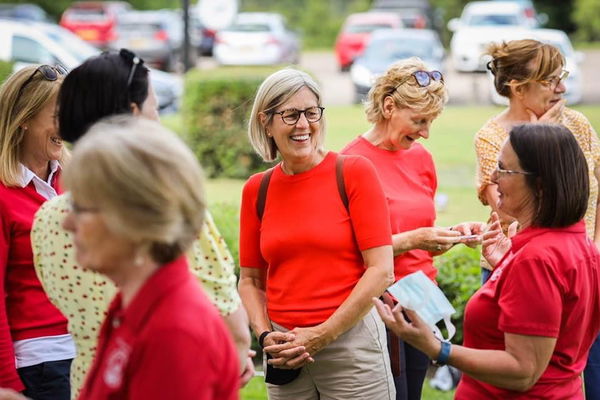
<point x="586" y="15"/>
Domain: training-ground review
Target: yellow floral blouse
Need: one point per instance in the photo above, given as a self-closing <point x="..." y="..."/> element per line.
<point x="491" y="136"/>
<point x="83" y="296"/>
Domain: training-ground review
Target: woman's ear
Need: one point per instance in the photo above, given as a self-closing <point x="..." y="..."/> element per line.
<point x="516" y="90"/>
<point x="389" y="105"/>
<point x="135" y="110"/>
<point x="262" y="118"/>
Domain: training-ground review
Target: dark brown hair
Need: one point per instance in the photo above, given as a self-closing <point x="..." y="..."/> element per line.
<point x="559" y="172"/>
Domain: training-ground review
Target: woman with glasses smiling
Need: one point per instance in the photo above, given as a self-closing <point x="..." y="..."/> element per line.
<point x="35" y="347"/>
<point x="401" y="105"/>
<point x="529" y="328"/>
<point x="314" y="248"/>
<point x="531" y="75"/>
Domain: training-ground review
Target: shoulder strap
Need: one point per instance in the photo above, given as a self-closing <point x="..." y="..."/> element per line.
<point x="262" y="193"/>
<point x="266" y="179"/>
<point x="339" y="176"/>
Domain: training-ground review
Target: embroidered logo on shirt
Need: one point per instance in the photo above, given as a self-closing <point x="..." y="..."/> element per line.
<point x="496" y="274"/>
<point x="115" y="363"/>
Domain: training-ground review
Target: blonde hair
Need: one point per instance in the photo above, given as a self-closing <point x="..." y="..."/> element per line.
<point x="277" y="89"/>
<point x="144" y="179"/>
<point x="428" y="100"/>
<point x="15" y="110"/>
<point x="524" y="61"/>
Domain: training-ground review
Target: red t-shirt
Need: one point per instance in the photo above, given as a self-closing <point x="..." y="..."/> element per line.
<point x="546" y="285"/>
<point x="307" y="240"/>
<point x="25" y="311"/>
<point x="169" y="343"/>
<point x="409" y="182"/>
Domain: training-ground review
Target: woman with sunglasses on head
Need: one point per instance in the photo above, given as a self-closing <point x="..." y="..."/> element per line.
<point x="314" y="248"/>
<point x="401" y="105"/>
<point x="105" y="85"/>
<point x="35" y="347"/>
<point x="531" y="75"/>
<point x="529" y="328"/>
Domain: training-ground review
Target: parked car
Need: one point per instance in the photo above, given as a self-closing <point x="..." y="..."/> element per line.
<point x="480" y="23"/>
<point x="416" y="14"/>
<point x="156" y="36"/>
<point x="94" y="21"/>
<point x="23" y="12"/>
<point x="388" y="46"/>
<point x="357" y="30"/>
<point x="43" y="43"/>
<point x="257" y="39"/>
<point x="573" y="83"/>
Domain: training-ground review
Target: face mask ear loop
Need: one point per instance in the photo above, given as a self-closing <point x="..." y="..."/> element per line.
<point x="449" y="327"/>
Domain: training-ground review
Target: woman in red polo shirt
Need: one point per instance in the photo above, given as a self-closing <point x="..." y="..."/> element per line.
<point x="401" y="105"/>
<point x="310" y="260"/>
<point x="35" y="348"/>
<point x="137" y="205"/>
<point x="528" y="330"/>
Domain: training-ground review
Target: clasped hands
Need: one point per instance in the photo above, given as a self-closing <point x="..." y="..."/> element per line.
<point x="295" y="348"/>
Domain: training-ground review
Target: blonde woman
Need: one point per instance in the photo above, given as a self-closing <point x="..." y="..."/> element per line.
<point x="35" y="347"/>
<point x="162" y="338"/>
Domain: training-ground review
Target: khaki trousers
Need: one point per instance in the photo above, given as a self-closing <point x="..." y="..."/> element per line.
<point x="356" y="366"/>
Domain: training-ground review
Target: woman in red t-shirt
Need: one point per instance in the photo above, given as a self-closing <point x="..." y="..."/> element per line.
<point x="311" y="261"/>
<point x="529" y="329"/>
<point x="402" y="104"/>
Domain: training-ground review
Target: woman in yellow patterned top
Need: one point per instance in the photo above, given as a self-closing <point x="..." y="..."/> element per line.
<point x="121" y="85"/>
<point x="531" y="75"/>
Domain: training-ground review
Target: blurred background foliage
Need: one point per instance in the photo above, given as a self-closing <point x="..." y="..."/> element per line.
<point x="319" y="21"/>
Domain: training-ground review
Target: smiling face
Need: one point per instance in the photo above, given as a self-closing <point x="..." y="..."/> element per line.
<point x="539" y="97"/>
<point x="97" y="247"/>
<point x="405" y="126"/>
<point x="515" y="197"/>
<point x="298" y="143"/>
<point x="41" y="143"/>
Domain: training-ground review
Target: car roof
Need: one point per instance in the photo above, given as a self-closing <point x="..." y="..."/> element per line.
<point x="403" y="33"/>
<point x="397" y="4"/>
<point x="372" y="16"/>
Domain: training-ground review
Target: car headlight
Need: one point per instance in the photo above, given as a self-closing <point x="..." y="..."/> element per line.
<point x="361" y="75"/>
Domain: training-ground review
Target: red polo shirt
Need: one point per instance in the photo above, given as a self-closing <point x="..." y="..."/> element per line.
<point x="170" y="343"/>
<point x="546" y="285"/>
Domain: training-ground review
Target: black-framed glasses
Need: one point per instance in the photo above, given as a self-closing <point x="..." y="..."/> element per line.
<point x="503" y="172"/>
<point x="553" y="81"/>
<point x="292" y="116"/>
<point x="131" y="57"/>
<point x="49" y="72"/>
<point x="423" y="78"/>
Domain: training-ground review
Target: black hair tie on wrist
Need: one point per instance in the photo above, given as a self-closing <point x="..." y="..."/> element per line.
<point x="261" y="338"/>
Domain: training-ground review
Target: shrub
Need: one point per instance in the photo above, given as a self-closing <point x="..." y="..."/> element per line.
<point x="6" y="68"/>
<point x="227" y="218"/>
<point x="216" y="107"/>
<point x="459" y="277"/>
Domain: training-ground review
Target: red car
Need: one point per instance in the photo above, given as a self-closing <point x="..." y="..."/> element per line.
<point x="356" y="32"/>
<point x="94" y="21"/>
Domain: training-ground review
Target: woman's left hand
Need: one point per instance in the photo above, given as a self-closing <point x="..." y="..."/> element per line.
<point x="417" y="333"/>
<point x="552" y="116"/>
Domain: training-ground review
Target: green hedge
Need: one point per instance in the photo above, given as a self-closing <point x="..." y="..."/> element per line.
<point x="6" y="68"/>
<point x="459" y="276"/>
<point x="216" y="107"/>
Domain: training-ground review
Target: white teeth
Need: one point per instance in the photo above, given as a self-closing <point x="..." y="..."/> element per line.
<point x="56" y="140"/>
<point x="300" y="137"/>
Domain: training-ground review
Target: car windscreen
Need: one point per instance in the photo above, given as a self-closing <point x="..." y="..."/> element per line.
<point x="399" y="48"/>
<point x="72" y="44"/>
<point x="493" y="20"/>
<point x="139" y="27"/>
<point x="240" y="27"/>
<point x="366" y="28"/>
<point x="87" y="14"/>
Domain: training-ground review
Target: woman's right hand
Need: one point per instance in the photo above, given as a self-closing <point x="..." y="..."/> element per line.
<point x="495" y="242"/>
<point x="285" y="354"/>
<point x="433" y="239"/>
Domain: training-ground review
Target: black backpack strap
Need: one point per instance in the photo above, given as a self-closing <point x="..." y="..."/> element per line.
<point x="339" y="176"/>
<point x="262" y="193"/>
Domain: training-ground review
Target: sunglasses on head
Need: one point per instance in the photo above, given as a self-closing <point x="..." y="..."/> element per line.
<point x="49" y="72"/>
<point x="134" y="60"/>
<point x="423" y="78"/>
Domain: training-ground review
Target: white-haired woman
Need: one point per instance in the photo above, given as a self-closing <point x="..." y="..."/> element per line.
<point x="315" y="245"/>
<point x="162" y="338"/>
<point x="35" y="348"/>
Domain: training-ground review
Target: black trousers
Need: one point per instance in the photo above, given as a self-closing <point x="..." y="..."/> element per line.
<point x="47" y="381"/>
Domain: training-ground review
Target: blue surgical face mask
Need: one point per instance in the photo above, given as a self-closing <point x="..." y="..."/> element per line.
<point x="417" y="292"/>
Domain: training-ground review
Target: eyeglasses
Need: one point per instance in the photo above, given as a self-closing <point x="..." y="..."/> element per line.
<point x="77" y="209"/>
<point x="50" y="73"/>
<point x="292" y="116"/>
<point x="423" y="78"/>
<point x="502" y="172"/>
<point x="134" y="60"/>
<point x="553" y="81"/>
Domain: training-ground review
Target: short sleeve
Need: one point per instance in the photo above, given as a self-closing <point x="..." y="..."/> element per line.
<point x="367" y="204"/>
<point x="487" y="148"/>
<point x="250" y="254"/>
<point x="212" y="263"/>
<point x="531" y="299"/>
